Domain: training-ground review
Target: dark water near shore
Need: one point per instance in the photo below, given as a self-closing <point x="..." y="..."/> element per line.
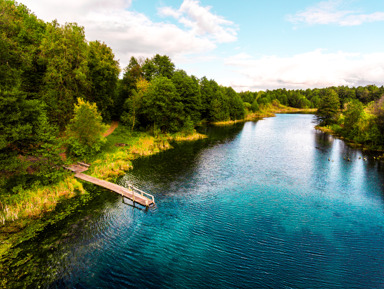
<point x="257" y="205"/>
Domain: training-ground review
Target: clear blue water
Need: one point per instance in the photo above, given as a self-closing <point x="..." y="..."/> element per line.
<point x="267" y="204"/>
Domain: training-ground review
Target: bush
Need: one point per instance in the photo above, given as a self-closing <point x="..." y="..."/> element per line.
<point x="85" y="130"/>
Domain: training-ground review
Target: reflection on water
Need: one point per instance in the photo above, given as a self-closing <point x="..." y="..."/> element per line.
<point x="267" y="204"/>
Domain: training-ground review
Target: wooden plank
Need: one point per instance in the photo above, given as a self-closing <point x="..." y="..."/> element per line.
<point x="131" y="193"/>
<point x="138" y="198"/>
<point x="76" y="168"/>
<point x="84" y="164"/>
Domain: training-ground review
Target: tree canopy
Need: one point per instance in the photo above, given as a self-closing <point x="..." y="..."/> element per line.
<point x="46" y="67"/>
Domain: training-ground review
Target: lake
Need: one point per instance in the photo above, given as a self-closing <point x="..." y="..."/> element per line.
<point x="266" y="204"/>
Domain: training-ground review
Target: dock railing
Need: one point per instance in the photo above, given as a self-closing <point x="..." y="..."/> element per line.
<point x="144" y="194"/>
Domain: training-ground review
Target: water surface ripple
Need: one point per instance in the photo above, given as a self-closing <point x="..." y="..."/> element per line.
<point x="267" y="204"/>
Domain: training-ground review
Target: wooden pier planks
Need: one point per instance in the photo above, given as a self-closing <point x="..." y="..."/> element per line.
<point x="136" y="197"/>
<point x="130" y="194"/>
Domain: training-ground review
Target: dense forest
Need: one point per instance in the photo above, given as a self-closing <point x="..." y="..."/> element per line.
<point x="57" y="89"/>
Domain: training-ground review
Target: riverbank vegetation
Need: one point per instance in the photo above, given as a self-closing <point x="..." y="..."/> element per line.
<point x="57" y="91"/>
<point x="357" y="116"/>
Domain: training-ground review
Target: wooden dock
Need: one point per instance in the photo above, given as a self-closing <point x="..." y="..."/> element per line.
<point x="132" y="193"/>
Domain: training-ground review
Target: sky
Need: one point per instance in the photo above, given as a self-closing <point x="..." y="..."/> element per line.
<point x="246" y="44"/>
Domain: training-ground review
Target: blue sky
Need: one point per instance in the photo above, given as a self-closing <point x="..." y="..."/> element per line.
<point x="247" y="44"/>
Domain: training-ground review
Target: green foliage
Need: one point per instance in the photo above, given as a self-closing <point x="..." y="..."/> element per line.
<point x="207" y="89"/>
<point x="162" y="106"/>
<point x="85" y="130"/>
<point x="189" y="92"/>
<point x="352" y="115"/>
<point x="247" y="106"/>
<point x="158" y="66"/>
<point x="236" y="105"/>
<point x="188" y="127"/>
<point x="219" y="107"/>
<point x="360" y="124"/>
<point x="378" y="111"/>
<point x="103" y="76"/>
<point x="132" y="74"/>
<point x="64" y="52"/>
<point x="255" y="106"/>
<point x="20" y="34"/>
<point x="329" y="107"/>
<point x="131" y="108"/>
<point x="29" y="149"/>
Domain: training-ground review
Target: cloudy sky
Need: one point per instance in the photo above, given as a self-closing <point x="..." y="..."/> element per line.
<point x="246" y="44"/>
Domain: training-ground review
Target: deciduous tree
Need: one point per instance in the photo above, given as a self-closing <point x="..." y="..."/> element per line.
<point x="103" y="77"/>
<point x="329" y="107"/>
<point x="162" y="106"/>
<point x="85" y="130"/>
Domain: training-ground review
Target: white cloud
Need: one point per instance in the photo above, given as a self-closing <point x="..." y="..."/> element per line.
<point x="201" y="21"/>
<point x="308" y="70"/>
<point x="131" y="33"/>
<point x="330" y="12"/>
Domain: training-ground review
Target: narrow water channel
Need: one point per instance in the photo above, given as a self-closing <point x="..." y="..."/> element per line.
<point x="267" y="204"/>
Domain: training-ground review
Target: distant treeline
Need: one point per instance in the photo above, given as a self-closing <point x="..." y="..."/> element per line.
<point x="46" y="67"/>
<point x="311" y="98"/>
<point x="356" y="113"/>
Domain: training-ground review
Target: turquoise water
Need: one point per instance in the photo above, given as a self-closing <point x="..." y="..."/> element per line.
<point x="267" y="204"/>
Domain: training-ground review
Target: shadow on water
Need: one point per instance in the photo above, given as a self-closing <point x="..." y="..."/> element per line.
<point x="179" y="162"/>
<point x="334" y="149"/>
<point x="40" y="258"/>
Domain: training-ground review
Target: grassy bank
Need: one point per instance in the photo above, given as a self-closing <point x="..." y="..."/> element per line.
<point x="20" y="210"/>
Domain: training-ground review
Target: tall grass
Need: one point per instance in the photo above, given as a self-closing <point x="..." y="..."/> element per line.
<point x="32" y="203"/>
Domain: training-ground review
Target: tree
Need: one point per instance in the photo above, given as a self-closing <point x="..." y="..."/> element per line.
<point x="103" y="77"/>
<point x="28" y="143"/>
<point x="158" y="66"/>
<point x="219" y="106"/>
<point x="207" y="90"/>
<point x="133" y="72"/>
<point x="190" y="95"/>
<point x="236" y="105"/>
<point x="329" y="107"/>
<point x="64" y="52"/>
<point x="162" y="106"/>
<point x="133" y="104"/>
<point x="352" y="115"/>
<point x="85" y="130"/>
<point x="362" y="94"/>
<point x="379" y="113"/>
<point x="20" y="36"/>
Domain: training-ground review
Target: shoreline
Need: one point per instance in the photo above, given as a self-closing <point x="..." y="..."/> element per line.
<point x="351" y="143"/>
<point x="113" y="162"/>
<point x="270" y="112"/>
<point x="23" y="216"/>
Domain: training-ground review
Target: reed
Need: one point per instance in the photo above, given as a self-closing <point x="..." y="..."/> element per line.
<point x="187" y="137"/>
<point x="32" y="203"/>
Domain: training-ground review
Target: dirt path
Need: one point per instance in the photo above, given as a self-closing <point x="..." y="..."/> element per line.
<point x="113" y="126"/>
